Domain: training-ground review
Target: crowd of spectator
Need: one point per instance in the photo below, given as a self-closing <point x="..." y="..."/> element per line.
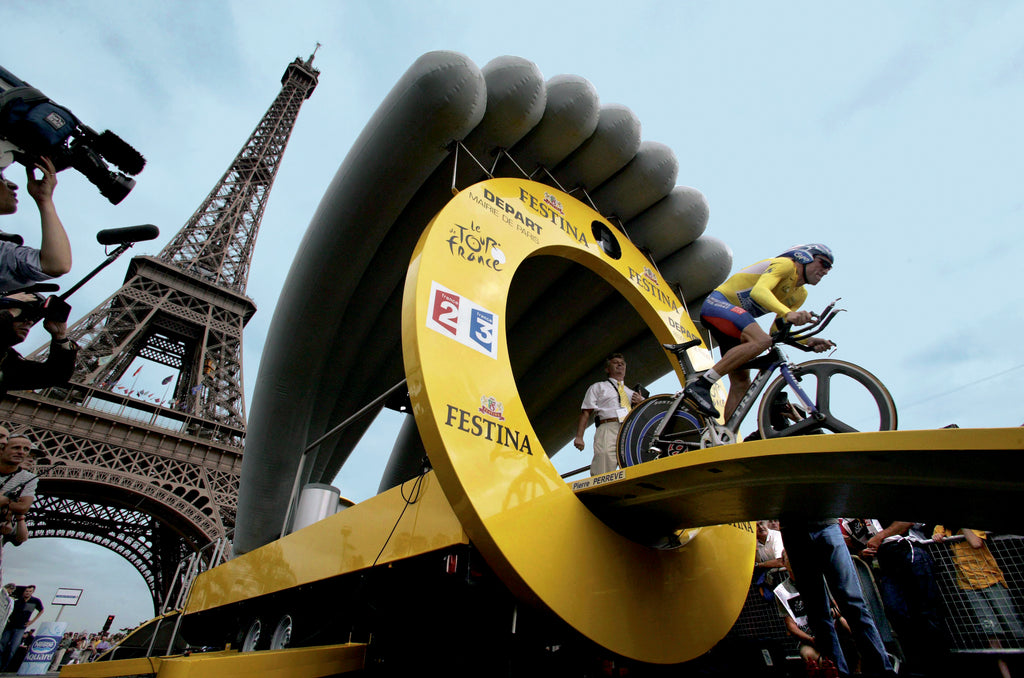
<point x="22" y="610"/>
<point x="808" y="570"/>
<point x="82" y="647"/>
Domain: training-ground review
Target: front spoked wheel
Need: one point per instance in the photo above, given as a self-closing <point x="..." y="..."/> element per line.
<point x="636" y="436"/>
<point x="848" y="399"/>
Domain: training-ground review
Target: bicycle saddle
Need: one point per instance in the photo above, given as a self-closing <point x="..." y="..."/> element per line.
<point x="679" y="349"/>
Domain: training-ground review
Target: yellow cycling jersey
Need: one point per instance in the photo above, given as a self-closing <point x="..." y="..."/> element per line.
<point x="769" y="286"/>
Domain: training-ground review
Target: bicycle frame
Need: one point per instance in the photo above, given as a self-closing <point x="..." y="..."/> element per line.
<point x="774" y="360"/>
<point x="758" y="384"/>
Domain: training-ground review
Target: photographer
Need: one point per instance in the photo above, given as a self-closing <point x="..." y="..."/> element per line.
<point x="17" y="488"/>
<point x="20" y="265"/>
<point x="18" y="313"/>
<point x="17" y="485"/>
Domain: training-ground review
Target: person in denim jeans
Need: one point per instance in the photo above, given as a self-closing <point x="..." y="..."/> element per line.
<point x="818" y="553"/>
<point x="27" y="609"/>
<point x="906" y="581"/>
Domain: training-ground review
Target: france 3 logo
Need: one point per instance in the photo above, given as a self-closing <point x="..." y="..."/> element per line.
<point x="459" y="318"/>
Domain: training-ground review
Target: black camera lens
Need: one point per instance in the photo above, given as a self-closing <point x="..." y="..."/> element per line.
<point x="113" y="186"/>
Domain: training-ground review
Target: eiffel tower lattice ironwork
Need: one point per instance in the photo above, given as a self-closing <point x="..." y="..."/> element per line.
<point x="156" y="478"/>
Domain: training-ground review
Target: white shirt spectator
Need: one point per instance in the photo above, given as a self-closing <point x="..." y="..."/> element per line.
<point x="771" y="549"/>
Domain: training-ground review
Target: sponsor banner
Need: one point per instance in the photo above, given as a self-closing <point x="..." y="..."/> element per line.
<point x="463" y="320"/>
<point x="483" y="427"/>
<point x="44" y="645"/>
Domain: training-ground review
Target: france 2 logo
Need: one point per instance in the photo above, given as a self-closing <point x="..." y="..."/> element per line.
<point x="458" y="318"/>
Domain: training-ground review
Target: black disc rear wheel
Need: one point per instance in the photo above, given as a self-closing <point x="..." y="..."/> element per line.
<point x="636" y="436"/>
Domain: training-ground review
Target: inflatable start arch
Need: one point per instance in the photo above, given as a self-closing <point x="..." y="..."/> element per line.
<point x="662" y="606"/>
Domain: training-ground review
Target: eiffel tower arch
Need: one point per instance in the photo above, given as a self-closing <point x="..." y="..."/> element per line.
<point x="155" y="478"/>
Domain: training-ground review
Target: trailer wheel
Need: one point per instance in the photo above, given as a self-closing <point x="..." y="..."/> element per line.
<point x="282" y="637"/>
<point x="251" y="639"/>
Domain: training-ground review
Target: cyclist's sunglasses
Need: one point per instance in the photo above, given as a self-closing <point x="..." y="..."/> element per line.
<point x="825" y="263"/>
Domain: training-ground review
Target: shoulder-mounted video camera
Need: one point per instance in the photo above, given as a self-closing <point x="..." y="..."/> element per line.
<point x="38" y="307"/>
<point x="31" y="126"/>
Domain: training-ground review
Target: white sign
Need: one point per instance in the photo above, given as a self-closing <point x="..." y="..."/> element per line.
<point x="67" y="596"/>
<point x="594" y="481"/>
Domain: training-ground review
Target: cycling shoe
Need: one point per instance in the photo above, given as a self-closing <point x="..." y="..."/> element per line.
<point x="699" y="396"/>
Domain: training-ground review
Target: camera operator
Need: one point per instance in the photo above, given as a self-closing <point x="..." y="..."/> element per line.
<point x="20" y="265"/>
<point x="18" y="313"/>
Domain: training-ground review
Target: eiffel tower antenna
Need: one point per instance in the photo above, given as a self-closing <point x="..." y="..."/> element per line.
<point x="154" y="476"/>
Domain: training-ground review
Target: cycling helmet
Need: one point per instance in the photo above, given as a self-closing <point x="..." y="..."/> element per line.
<point x="804" y="254"/>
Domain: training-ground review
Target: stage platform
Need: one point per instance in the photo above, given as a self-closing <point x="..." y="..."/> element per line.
<point x="961" y="477"/>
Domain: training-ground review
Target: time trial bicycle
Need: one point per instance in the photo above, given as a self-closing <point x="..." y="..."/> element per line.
<point x="845" y="398"/>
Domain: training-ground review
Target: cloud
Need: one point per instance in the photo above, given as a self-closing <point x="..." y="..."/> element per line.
<point x="1011" y="72"/>
<point x="890" y="81"/>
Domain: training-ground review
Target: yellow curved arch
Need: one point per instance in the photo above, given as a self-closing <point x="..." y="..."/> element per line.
<point x="653" y="605"/>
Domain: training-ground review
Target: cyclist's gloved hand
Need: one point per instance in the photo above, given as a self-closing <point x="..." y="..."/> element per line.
<point x="799" y="317"/>
<point x="819" y="345"/>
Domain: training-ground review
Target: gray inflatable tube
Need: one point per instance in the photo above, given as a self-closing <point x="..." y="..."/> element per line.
<point x="335" y="338"/>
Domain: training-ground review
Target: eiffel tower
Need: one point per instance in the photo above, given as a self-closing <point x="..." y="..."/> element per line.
<point x="156" y="479"/>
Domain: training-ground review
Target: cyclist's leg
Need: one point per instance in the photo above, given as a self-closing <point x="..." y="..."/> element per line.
<point x="739" y="384"/>
<point x="753" y="342"/>
<point x="741" y="339"/>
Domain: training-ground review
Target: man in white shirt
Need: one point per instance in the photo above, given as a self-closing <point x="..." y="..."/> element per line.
<point x="769" y="547"/>
<point x="608" y="401"/>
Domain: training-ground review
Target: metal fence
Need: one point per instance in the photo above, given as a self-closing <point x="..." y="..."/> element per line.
<point x="760" y="618"/>
<point x="988" y="619"/>
<point x="976" y="621"/>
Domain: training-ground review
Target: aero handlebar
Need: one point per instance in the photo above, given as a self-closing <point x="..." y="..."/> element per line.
<point x="821" y="320"/>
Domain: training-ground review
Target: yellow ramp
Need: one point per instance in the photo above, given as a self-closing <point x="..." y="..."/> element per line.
<point x="307" y="662"/>
<point x="967" y="477"/>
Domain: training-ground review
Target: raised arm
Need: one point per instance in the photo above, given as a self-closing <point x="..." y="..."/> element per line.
<point x="55" y="251"/>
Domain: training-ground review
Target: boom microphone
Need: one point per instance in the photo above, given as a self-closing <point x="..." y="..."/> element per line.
<point x="126" y="234"/>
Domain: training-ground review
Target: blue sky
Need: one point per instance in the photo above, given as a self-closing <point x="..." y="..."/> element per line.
<point x="890" y="131"/>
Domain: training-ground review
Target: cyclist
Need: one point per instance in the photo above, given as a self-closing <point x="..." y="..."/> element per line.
<point x="770" y="286"/>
